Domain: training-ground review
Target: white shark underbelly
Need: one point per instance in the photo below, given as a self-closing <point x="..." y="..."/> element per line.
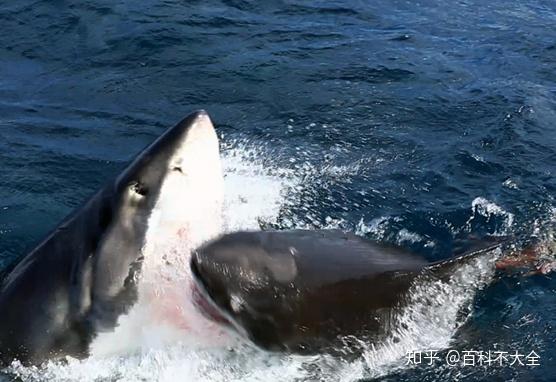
<point x="188" y="212"/>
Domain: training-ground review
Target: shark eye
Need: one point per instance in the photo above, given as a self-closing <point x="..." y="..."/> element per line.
<point x="177" y="168"/>
<point x="139" y="188"/>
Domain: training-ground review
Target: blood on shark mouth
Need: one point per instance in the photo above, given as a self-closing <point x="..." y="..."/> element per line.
<point x="206" y="307"/>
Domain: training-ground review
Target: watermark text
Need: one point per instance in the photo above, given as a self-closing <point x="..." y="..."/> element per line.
<point x="456" y="358"/>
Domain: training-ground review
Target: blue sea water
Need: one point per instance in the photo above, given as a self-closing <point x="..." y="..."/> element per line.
<point x="414" y="122"/>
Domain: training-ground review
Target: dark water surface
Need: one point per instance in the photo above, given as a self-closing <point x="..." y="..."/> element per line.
<point x="442" y="115"/>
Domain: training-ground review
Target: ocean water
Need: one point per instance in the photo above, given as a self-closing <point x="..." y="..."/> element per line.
<point x="414" y="122"/>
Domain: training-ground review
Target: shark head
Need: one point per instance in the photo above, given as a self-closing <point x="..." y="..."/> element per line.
<point x="164" y="204"/>
<point x="119" y="250"/>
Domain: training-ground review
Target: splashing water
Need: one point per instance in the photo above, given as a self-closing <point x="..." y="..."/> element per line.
<point x="432" y="315"/>
<point x="253" y="193"/>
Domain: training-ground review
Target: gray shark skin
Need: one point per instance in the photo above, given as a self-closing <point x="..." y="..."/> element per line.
<point x="304" y="291"/>
<point x="84" y="275"/>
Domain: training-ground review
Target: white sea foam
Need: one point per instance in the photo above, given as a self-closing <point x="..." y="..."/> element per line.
<point x="409" y="237"/>
<point x="377" y="227"/>
<point x="488" y="209"/>
<point x="253" y="193"/>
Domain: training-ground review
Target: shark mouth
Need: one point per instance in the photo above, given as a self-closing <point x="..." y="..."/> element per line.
<point x="203" y="302"/>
